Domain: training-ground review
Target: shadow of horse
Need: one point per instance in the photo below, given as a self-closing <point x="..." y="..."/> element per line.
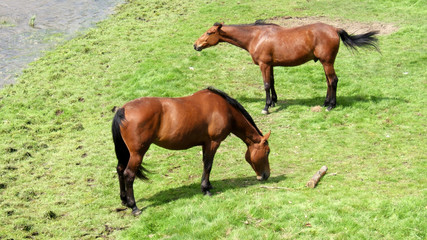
<point x="344" y="101"/>
<point x="223" y="185"/>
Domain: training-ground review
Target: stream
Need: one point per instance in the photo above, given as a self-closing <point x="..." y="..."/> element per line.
<point x="30" y="27"/>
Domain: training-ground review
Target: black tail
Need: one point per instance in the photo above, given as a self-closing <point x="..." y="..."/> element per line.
<point x="122" y="152"/>
<point x="363" y="40"/>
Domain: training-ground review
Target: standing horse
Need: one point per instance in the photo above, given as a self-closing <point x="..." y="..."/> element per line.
<point x="271" y="45"/>
<point x="204" y="119"/>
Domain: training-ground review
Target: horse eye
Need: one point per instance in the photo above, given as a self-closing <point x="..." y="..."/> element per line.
<point x="209" y="33"/>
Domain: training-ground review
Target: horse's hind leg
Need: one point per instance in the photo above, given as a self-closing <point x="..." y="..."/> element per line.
<point x="209" y="150"/>
<point x="129" y="177"/>
<point x="328" y="93"/>
<point x="120" y="171"/>
<point x="332" y="80"/>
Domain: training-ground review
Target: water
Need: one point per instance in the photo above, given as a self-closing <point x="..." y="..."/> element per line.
<point x="55" y="21"/>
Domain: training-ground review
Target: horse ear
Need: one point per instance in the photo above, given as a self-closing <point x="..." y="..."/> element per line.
<point x="265" y="138"/>
<point x="219" y="25"/>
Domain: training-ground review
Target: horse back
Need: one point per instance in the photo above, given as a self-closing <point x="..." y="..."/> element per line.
<point x="179" y="123"/>
<point x="279" y="46"/>
<point x="193" y="120"/>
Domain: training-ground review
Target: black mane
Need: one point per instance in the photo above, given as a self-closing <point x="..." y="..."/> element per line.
<point x="259" y="22"/>
<point x="262" y="22"/>
<point x="236" y="105"/>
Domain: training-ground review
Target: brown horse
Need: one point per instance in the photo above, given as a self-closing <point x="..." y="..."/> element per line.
<point x="204" y="119"/>
<point x="271" y="45"/>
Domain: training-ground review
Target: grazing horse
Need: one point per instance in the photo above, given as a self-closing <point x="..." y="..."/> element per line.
<point x="204" y="119"/>
<point x="271" y="45"/>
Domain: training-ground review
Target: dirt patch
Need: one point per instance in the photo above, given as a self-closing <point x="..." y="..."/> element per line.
<point x="316" y="109"/>
<point x="352" y="27"/>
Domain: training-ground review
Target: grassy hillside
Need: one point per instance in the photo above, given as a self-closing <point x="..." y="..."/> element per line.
<point x="57" y="163"/>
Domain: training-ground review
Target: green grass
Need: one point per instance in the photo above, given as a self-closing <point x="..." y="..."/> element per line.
<point x="57" y="163"/>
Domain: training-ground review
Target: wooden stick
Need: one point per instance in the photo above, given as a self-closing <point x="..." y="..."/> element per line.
<point x="316" y="178"/>
<point x="268" y="187"/>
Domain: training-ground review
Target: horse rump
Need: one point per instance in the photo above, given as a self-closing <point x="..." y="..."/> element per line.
<point x="122" y="151"/>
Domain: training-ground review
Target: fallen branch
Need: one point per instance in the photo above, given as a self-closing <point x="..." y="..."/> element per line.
<point x="268" y="187"/>
<point x="316" y="178"/>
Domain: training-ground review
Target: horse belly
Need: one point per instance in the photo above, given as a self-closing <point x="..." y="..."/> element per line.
<point x="292" y="61"/>
<point x="179" y="139"/>
<point x="282" y="55"/>
<point x="292" y="55"/>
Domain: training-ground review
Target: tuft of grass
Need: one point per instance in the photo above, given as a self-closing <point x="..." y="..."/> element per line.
<point x="57" y="159"/>
<point x="32" y="21"/>
<point x="6" y="22"/>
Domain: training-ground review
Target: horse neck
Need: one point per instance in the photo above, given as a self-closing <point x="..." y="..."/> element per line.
<point x="239" y="36"/>
<point x="244" y="130"/>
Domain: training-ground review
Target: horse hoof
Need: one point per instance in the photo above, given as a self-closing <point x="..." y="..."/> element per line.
<point x="136" y="212"/>
<point x="329" y="109"/>
<point x="265" y="112"/>
<point x="208" y="193"/>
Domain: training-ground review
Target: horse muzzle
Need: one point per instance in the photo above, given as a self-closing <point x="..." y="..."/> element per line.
<point x="197" y="48"/>
<point x="263" y="177"/>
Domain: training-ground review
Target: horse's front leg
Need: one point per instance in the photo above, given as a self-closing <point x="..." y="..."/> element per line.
<point x="209" y="150"/>
<point x="266" y="75"/>
<point x="273" y="90"/>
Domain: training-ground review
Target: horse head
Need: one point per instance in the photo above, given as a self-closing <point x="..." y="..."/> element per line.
<point x="257" y="157"/>
<point x="209" y="38"/>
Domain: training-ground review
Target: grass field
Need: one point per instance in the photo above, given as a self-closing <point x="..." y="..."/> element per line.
<point x="57" y="163"/>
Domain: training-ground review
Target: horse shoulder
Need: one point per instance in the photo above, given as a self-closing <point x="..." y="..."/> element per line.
<point x="219" y="125"/>
<point x="218" y="118"/>
<point x="262" y="45"/>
